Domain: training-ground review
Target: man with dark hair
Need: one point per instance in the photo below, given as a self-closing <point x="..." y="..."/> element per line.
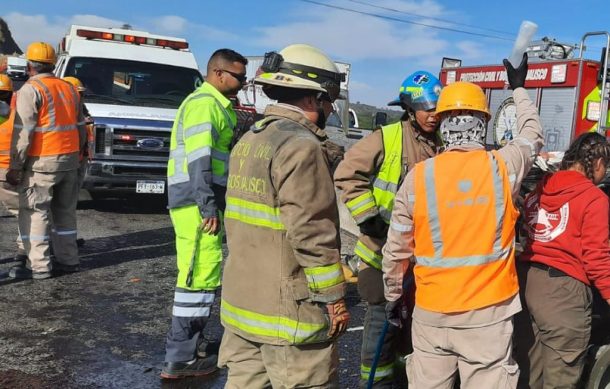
<point x="197" y="180"/>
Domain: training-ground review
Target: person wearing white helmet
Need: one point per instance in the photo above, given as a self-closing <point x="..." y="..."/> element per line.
<point x="283" y="287"/>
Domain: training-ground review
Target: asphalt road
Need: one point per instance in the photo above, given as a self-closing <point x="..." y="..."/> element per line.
<point x="105" y="327"/>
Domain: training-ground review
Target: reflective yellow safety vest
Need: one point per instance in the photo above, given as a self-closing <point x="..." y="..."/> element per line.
<point x="202" y="134"/>
<point x="464" y="230"/>
<point x="385" y="186"/>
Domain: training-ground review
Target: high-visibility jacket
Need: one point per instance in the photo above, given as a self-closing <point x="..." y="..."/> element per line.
<point x="282" y="229"/>
<point x="56" y="131"/>
<point x="6" y="132"/>
<point x="199" y="150"/>
<point x="385" y="185"/>
<point x="464" y="221"/>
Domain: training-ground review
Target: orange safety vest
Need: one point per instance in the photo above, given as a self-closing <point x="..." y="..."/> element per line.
<point x="464" y="230"/>
<point x="56" y="131"/>
<point x="6" y="133"/>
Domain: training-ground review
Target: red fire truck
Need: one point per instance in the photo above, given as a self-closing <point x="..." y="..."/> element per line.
<point x="568" y="91"/>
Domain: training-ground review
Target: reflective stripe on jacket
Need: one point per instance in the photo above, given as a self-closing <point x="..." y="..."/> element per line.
<point x="282" y="226"/>
<point x="385" y="185"/>
<point x="56" y="132"/>
<point x="386" y="182"/>
<point x="464" y="233"/>
<point x="199" y="151"/>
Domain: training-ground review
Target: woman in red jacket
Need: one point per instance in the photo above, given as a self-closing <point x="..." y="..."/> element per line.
<point x="565" y="253"/>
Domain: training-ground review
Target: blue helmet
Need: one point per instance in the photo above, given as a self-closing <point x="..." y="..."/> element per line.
<point x="419" y="91"/>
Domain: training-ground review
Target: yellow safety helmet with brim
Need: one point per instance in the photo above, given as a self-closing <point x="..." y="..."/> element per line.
<point x="462" y="95"/>
<point x="76" y="83"/>
<point x="301" y="66"/>
<point x="40" y="52"/>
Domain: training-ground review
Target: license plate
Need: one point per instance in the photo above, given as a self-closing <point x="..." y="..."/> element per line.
<point x="144" y="186"/>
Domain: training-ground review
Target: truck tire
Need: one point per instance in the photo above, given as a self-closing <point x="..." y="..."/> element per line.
<point x="600" y="373"/>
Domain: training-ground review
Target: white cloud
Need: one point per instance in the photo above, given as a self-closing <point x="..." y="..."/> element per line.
<point x="177" y="25"/>
<point x="30" y="28"/>
<point x="170" y="23"/>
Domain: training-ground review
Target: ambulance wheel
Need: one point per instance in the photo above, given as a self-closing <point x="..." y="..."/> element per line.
<point x="600" y="373"/>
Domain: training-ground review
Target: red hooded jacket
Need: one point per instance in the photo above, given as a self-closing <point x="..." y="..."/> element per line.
<point x="566" y="220"/>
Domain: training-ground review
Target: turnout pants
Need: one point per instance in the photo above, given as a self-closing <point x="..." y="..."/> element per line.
<point x="482" y="356"/>
<point x="552" y="332"/>
<point x="202" y="253"/>
<point x="370" y="287"/>
<point x="47" y="212"/>
<point x="9" y="197"/>
<point x="255" y="365"/>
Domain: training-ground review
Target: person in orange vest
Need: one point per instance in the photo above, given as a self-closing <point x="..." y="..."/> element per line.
<point x="49" y="135"/>
<point x="454" y="217"/>
<point x="8" y="194"/>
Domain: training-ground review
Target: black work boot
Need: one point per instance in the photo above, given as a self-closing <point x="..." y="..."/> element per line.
<point x="198" y="367"/>
<point x="22" y="272"/>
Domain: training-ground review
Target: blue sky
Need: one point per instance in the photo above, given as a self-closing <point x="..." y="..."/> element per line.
<point x="382" y="50"/>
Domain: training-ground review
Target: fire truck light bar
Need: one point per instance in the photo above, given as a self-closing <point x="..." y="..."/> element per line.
<point x="132" y="39"/>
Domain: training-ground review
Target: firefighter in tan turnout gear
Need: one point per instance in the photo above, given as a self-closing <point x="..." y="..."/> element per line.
<point x="369" y="177"/>
<point x="282" y="301"/>
<point x="48" y="137"/>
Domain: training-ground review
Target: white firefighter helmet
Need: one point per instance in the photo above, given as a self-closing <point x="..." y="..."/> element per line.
<point x="301" y="66"/>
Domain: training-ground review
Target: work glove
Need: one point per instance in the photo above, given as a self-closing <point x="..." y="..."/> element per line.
<point x="14" y="177"/>
<point x="374" y="227"/>
<point x="516" y="77"/>
<point x="339" y="317"/>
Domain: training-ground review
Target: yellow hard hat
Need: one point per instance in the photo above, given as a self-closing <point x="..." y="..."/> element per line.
<point x="6" y="84"/>
<point x="40" y="52"/>
<point x="75" y="82"/>
<point x="462" y="95"/>
<point x="301" y="66"/>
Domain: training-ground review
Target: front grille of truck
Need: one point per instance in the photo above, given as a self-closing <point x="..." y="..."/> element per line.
<point x="132" y="144"/>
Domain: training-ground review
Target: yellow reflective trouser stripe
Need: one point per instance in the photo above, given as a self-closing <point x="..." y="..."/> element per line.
<point x="321" y="277"/>
<point x="369" y="257"/>
<point x="253" y="213"/>
<point x="361" y="204"/>
<point x="271" y="326"/>
<point x="381" y="372"/>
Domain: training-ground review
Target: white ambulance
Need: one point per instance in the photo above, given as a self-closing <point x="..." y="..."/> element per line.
<point x="135" y="81"/>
